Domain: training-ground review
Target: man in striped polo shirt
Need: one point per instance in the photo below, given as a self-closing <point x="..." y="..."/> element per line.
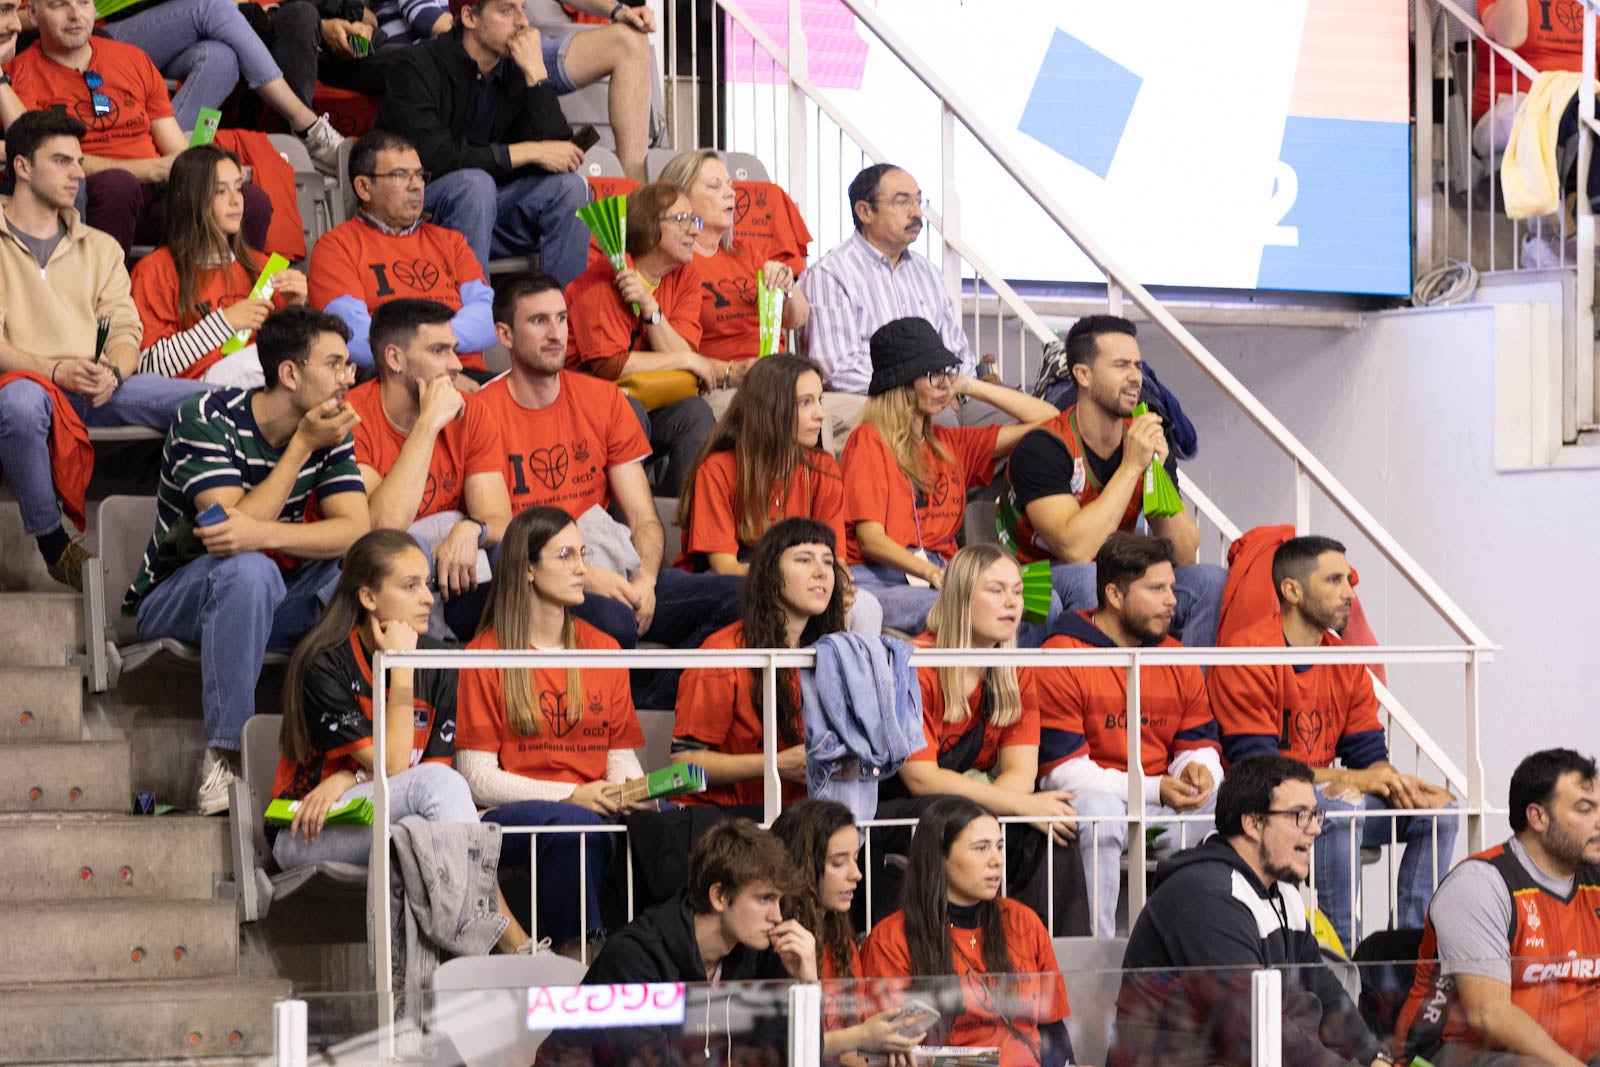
<point x="280" y="463"/>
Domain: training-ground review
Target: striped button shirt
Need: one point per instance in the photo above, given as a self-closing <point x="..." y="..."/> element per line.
<point x="215" y="444"/>
<point x="853" y="290"/>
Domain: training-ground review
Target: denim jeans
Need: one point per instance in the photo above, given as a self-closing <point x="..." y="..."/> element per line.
<point x="432" y="790"/>
<point x="236" y="609"/>
<point x="533" y="213"/>
<point x="25" y="409"/>
<point x="905" y="606"/>
<point x="1103" y="842"/>
<point x="1198" y="589"/>
<point x="205" y="44"/>
<point x="1417" y="876"/>
<point x="561" y="881"/>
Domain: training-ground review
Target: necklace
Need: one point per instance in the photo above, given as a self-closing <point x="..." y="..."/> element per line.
<point x="972" y="936"/>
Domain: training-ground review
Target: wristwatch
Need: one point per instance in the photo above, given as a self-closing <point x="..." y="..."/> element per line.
<point x="653" y="319"/>
<point x="5" y="79"/>
<point x="483" y="530"/>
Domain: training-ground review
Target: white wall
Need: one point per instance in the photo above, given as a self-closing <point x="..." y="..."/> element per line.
<point x="1401" y="410"/>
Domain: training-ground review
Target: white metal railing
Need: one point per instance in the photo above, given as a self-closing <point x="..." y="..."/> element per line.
<point x="769" y="661"/>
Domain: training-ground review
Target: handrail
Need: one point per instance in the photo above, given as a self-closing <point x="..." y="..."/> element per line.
<point x="1309" y="464"/>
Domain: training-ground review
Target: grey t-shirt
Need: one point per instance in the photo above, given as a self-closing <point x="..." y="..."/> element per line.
<point x="41" y="247"/>
<point x="1472" y="910"/>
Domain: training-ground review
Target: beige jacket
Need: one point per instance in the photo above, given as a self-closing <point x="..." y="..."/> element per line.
<point x="53" y="312"/>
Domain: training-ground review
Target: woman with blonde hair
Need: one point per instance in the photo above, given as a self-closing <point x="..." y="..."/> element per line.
<point x="547" y="746"/>
<point x="981" y="725"/>
<point x="906" y="477"/>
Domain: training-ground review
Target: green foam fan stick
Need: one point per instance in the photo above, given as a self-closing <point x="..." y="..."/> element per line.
<point x="1036" y="589"/>
<point x="205" y="126"/>
<point x="1160" y="495"/>
<point x="607" y="219"/>
<point x="262" y="291"/>
<point x="769" y="309"/>
<point x="354" y="812"/>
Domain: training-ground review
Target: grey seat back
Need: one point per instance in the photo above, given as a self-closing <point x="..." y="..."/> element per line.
<point x="1092" y="967"/>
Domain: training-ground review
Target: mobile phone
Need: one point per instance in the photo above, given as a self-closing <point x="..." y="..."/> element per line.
<point x="210" y="516"/>
<point x="915" y="1017"/>
<point x="585" y="137"/>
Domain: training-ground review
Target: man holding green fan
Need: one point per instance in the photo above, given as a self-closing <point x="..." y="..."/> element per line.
<point x="1083" y="475"/>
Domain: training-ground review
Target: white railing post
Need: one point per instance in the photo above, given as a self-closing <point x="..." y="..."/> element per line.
<point x="950" y="211"/>
<point x="1582" y="387"/>
<point x="772" y="795"/>
<point x="1475" y="798"/>
<point x="1422" y="154"/>
<point x="805" y="1025"/>
<point x="1302" y="500"/>
<point x="378" y="862"/>
<point x="289" y="1033"/>
<point x="1138" y="861"/>
<point x="1266" y="1019"/>
<point x="798" y="140"/>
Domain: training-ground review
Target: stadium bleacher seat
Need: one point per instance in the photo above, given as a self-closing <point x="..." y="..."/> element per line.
<point x="657" y="728"/>
<point x="1092" y="967"/>
<point x="314" y="191"/>
<point x="742" y="166"/>
<point x="667" y="512"/>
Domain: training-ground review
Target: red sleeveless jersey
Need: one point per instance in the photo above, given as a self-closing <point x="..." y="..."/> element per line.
<point x="1013" y="527"/>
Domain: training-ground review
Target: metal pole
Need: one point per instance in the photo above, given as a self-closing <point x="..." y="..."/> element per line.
<point x="773" y="794"/>
<point x="1266" y="1019"/>
<point x="1422" y="169"/>
<point x="289" y="1033"/>
<point x="378" y="862"/>
<point x="1138" y="861"/>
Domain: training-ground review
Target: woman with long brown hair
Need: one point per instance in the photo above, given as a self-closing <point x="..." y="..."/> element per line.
<point x="193" y="291"/>
<point x="546" y="746"/>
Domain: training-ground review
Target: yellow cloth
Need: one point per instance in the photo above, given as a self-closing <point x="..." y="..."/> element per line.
<point x="1528" y="177"/>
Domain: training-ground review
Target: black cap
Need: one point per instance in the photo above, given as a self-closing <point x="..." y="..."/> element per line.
<point x="903" y="351"/>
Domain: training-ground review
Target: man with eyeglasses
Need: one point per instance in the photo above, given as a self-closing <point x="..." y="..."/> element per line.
<point x="1512" y="943"/>
<point x="1326" y="712"/>
<point x="868" y="281"/>
<point x="480" y="105"/>
<point x="279" y="465"/>
<point x="387" y="251"/>
<point x="1227" y="908"/>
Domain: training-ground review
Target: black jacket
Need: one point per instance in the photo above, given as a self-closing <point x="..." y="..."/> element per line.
<point x="1211" y="913"/>
<point x="428" y="100"/>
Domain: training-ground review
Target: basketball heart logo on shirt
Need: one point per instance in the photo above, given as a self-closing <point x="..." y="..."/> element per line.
<point x="429" y="490"/>
<point x="1308" y="724"/>
<point x="553" y="706"/>
<point x="940" y="492"/>
<point x="419" y="274"/>
<point x="85" y="112"/>
<point x="741" y="205"/>
<point x="549" y="465"/>
<point x="1567" y="12"/>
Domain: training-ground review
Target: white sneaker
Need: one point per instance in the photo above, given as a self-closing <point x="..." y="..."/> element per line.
<point x="322" y="144"/>
<point x="216" y="775"/>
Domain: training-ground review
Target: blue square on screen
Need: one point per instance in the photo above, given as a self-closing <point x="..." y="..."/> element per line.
<point x="1080" y="103"/>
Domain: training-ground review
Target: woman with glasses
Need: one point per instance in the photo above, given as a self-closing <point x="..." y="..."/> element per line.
<point x="325" y="744"/>
<point x="906" y="478"/>
<point x="547" y="746"/>
<point x="624" y="327"/>
<point x="193" y="292"/>
<point x="984" y="960"/>
<point x="729" y="265"/>
<point x="791" y="598"/>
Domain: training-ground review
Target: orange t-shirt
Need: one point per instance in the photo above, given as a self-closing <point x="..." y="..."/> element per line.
<point x="875" y="489"/>
<point x="155" y="293"/>
<point x="716" y="708"/>
<point x="729" y="321"/>
<point x="1554" y="42"/>
<point x="469" y="445"/>
<point x="765" y="214"/>
<point x="562" y="750"/>
<point x="137" y="92"/>
<point x="815" y="490"/>
<point x="559" y="455"/>
<point x="604" y="329"/>
<point x="357" y="259"/>
<point x="942" y="736"/>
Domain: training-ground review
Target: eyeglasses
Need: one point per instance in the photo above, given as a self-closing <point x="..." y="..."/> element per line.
<point x="905" y="202"/>
<point x="936" y="378"/>
<point x="570" y="556"/>
<point x="1304" y="817"/>
<point x="101" y="102"/>
<point x="404" y="176"/>
<point x="686" y="220"/>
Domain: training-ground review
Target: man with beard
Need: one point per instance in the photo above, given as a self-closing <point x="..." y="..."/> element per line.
<point x="279" y="464"/>
<point x="1223" y="910"/>
<point x="1083" y="743"/>
<point x="1080" y="476"/>
<point x="1512" y="942"/>
<point x="1319" y="713"/>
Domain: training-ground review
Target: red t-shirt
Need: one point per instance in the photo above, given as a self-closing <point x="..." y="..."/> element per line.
<point x="765" y="214"/>
<point x="357" y="259"/>
<point x="942" y="736"/>
<point x="137" y="92"/>
<point x="562" y="750"/>
<point x="1554" y="42"/>
<point x="604" y="329"/>
<point x="469" y="445"/>
<point x="729" y="321"/>
<point x="155" y="293"/>
<point x="1040" y="995"/>
<point x="559" y="455"/>
<point x="876" y="490"/>
<point x="716" y="708"/>
<point x="815" y="490"/>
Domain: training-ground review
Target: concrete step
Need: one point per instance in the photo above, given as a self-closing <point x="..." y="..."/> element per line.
<point x="118" y="940"/>
<point x="41" y="704"/>
<point x="191" y="1021"/>
<point x="40" y="628"/>
<point x="79" y="858"/>
<point x="65" y="776"/>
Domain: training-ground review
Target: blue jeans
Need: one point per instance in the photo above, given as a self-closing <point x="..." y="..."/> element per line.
<point x="25" y="409"/>
<point x="1421" y="869"/>
<point x="532" y="213"/>
<point x="432" y="790"/>
<point x="561" y="879"/>
<point x="236" y="609"/>
<point x="1198" y="588"/>
<point x="905" y="606"/>
<point x="205" y="44"/>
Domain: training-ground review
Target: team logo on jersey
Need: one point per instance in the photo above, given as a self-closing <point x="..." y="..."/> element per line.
<point x="940" y="491"/>
<point x="447" y="731"/>
<point x="1079" y="478"/>
<point x="553" y="706"/>
<point x="1530" y="911"/>
<point x="597" y="705"/>
<point x="419" y="274"/>
<point x="1308" y="724"/>
<point x="580" y="450"/>
<point x="549" y="465"/>
<point x="419" y="717"/>
<point x="1567" y="12"/>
